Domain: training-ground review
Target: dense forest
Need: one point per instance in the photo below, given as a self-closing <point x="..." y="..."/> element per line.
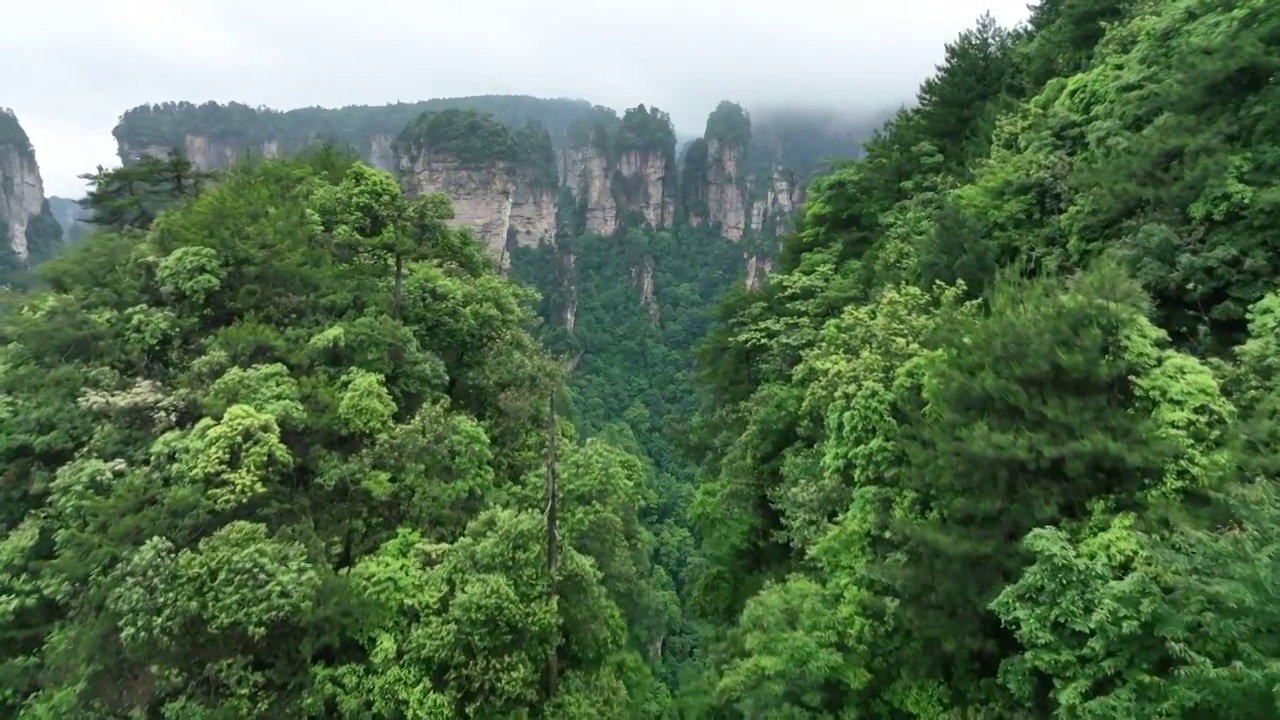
<point x="996" y="439"/>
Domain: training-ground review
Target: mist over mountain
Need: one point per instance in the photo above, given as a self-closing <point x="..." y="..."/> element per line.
<point x="683" y="57"/>
<point x="660" y="362"/>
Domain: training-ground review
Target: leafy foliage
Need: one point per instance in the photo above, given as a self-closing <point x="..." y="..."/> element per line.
<point x="474" y="140"/>
<point x="997" y="440"/>
<point x="994" y="442"/>
<point x="282" y="456"/>
<point x="646" y="130"/>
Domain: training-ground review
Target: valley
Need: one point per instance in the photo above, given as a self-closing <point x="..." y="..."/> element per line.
<point x="514" y="407"/>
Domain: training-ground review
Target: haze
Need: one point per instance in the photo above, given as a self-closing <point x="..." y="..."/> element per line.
<point x="81" y="63"/>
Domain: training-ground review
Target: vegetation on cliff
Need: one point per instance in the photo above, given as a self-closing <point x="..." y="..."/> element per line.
<point x="646" y="130"/>
<point x="693" y="180"/>
<point x="11" y="133"/>
<point x="729" y="124"/>
<point x="997" y="440"/>
<point x="44" y="241"/>
<point x="536" y="157"/>
<point x="595" y="130"/>
<point x="645" y="143"/>
<point x="477" y="141"/>
<point x="474" y="140"/>
<point x="166" y="125"/>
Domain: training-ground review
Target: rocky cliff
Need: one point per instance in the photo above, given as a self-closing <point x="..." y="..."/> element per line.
<point x="503" y="184"/>
<point x="619" y="172"/>
<point x="525" y="171"/>
<point x="588" y="180"/>
<point x="28" y="231"/>
<point x="743" y="186"/>
<point x="646" y="173"/>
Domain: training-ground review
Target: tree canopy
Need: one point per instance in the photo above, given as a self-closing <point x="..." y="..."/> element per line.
<point x="997" y="439"/>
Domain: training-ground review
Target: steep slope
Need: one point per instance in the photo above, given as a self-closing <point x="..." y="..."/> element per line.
<point x="526" y="171"/>
<point x="502" y="184"/>
<point x="28" y="231"/>
<point x="997" y="440"/>
<point x="299" y="477"/>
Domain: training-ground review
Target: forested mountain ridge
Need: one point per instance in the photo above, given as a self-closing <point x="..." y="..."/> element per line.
<point x="524" y="171"/>
<point x="282" y="449"/>
<point x="215" y="134"/>
<point x="998" y="438"/>
<point x="28" y="232"/>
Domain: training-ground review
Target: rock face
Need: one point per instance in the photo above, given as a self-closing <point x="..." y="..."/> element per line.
<point x="592" y="172"/>
<point x="774" y="210"/>
<point x="647" y="297"/>
<point x="584" y="170"/>
<point x="736" y="184"/>
<point x="28" y="228"/>
<point x="503" y="184"/>
<point x="21" y="195"/>
<point x="213" y="134"/>
<point x="620" y="171"/>
<point x="533" y="212"/>
<point x="381" y="151"/>
<point x="500" y="204"/>
<point x="726" y="188"/>
<point x="482" y="197"/>
<point x="758" y="267"/>
<point x="645" y="184"/>
<point x="204" y="152"/>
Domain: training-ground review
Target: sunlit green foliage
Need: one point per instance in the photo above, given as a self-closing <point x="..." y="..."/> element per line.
<point x="999" y="440"/>
<point x="283" y="456"/>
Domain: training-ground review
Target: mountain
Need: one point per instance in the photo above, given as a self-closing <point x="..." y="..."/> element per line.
<point x="213" y="134"/>
<point x="28" y="231"/>
<point x="70" y="216"/>
<point x="523" y="171"/>
<point x="997" y="439"/>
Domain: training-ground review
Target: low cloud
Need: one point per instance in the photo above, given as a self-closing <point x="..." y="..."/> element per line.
<point x="79" y="64"/>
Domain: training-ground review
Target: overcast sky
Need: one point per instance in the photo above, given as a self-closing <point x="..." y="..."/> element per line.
<point x="76" y="65"/>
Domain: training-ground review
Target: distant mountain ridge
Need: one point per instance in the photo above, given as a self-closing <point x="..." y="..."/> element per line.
<point x="608" y="170"/>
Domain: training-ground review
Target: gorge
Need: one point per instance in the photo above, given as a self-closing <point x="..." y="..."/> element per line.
<point x="564" y="415"/>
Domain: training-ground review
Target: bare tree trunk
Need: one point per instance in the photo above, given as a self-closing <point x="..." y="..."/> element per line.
<point x="553" y="548"/>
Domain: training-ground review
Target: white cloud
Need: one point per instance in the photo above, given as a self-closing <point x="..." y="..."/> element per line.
<point x="78" y="64"/>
